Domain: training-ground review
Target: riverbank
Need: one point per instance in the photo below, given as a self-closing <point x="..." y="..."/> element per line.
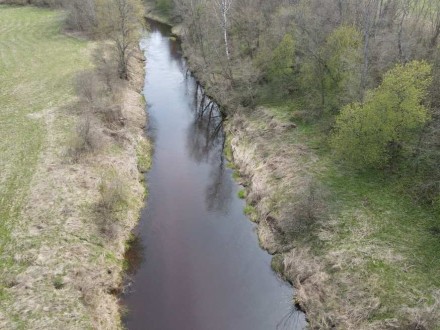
<point x="360" y="253"/>
<point x="196" y="245"/>
<point x="62" y="261"/>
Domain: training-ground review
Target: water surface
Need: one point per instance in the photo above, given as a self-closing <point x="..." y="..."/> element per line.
<point x="198" y="265"/>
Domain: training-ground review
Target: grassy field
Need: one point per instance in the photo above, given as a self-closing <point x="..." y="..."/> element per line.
<point x="61" y="254"/>
<point x="37" y="64"/>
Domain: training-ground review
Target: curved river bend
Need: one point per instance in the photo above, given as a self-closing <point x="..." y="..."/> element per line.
<point x="196" y="262"/>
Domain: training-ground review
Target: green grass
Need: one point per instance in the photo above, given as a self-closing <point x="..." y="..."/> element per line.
<point x="373" y="204"/>
<point x="249" y="210"/>
<point x="143" y="152"/>
<point x="241" y="194"/>
<point x="37" y="64"/>
<point x="228" y="149"/>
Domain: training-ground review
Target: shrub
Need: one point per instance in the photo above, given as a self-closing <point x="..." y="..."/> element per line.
<point x="84" y="140"/>
<point x="241" y="194"/>
<point x="111" y="114"/>
<point x="58" y="282"/>
<point x="81" y="15"/>
<point x="380" y="131"/>
<point x="39" y="3"/>
<point x="89" y="87"/>
<point x="113" y="198"/>
<point x="112" y="193"/>
<point x="308" y="207"/>
<point x="98" y="96"/>
<point x="106" y="67"/>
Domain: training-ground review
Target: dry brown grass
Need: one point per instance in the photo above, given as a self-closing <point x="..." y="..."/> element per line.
<point x="278" y="177"/>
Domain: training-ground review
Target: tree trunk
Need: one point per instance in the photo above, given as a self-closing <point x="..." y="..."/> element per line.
<point x="368" y="24"/>
<point x="224" y="6"/>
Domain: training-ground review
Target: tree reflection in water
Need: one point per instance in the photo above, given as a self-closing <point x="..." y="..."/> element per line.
<point x="205" y="143"/>
<point x="290" y="321"/>
<point x="134" y="256"/>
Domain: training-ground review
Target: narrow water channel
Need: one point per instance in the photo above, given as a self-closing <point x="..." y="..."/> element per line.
<point x="196" y="263"/>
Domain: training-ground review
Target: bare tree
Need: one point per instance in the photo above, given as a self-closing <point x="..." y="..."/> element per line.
<point x="222" y="8"/>
<point x="81" y="14"/>
<point x="195" y="14"/>
<point x="369" y="13"/>
<point x="434" y="19"/>
<point x="120" y="21"/>
<point x="405" y="8"/>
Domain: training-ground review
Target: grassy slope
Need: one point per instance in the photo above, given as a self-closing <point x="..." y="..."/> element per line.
<point x="374" y="235"/>
<point x="37" y="64"/>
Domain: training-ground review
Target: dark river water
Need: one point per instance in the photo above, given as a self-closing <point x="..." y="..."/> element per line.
<point x="196" y="263"/>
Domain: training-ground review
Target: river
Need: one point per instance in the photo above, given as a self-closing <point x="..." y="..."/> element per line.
<point x="196" y="263"/>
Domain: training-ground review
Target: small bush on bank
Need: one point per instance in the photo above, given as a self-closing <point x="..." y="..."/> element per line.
<point x="111" y="115"/>
<point x="241" y="194"/>
<point x="112" y="199"/>
<point x="58" y="282"/>
<point x="84" y="140"/>
<point x="89" y="87"/>
<point x="99" y="93"/>
<point x="307" y="209"/>
<point x="112" y="192"/>
<point x="81" y="15"/>
<point x="106" y="67"/>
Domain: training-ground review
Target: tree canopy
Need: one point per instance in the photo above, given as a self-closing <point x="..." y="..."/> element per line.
<point x="379" y="130"/>
<point x="282" y="59"/>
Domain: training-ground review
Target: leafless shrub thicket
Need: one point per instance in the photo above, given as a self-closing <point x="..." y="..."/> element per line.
<point x="112" y="197"/>
<point x="307" y="207"/>
<point x="99" y="97"/>
<point x="81" y="15"/>
<point x="84" y="140"/>
<point x="95" y="108"/>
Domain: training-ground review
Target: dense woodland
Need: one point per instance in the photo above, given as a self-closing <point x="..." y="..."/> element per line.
<point x="367" y="72"/>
